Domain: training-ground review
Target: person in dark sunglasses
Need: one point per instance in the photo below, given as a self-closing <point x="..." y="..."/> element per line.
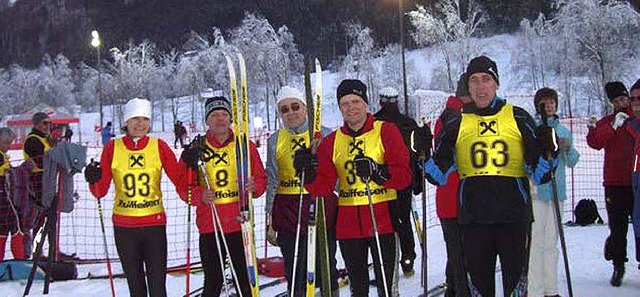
<point x="283" y="193"/>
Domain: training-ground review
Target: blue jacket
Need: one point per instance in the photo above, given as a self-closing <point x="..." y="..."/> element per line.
<point x="567" y="158"/>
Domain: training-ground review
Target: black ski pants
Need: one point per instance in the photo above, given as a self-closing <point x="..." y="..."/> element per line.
<point x="401" y="218"/>
<point x="209" y="256"/>
<point x="619" y="203"/>
<point x="287" y="243"/>
<point x="355" y="253"/>
<point x="456" y="275"/>
<point x="483" y="243"/>
<point x="143" y="249"/>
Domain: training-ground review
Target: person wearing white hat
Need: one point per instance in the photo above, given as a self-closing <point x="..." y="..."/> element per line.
<point x="135" y="163"/>
<point x="283" y="191"/>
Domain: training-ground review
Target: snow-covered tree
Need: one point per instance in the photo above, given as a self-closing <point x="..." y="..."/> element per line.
<point x="605" y="32"/>
<point x="359" y="62"/>
<point x="270" y="55"/>
<point x="133" y="71"/>
<point x="448" y="25"/>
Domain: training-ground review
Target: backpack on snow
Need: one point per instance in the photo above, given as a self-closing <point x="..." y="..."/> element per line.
<point x="586" y="212"/>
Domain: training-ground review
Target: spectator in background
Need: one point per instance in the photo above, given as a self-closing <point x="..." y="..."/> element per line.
<point x="401" y="207"/>
<point x="107" y="133"/>
<point x="36" y="144"/>
<point x="179" y="133"/>
<point x="9" y="213"/>
<point x="447" y="203"/>
<point x="633" y="127"/>
<point x="68" y="133"/>
<point x="543" y="270"/>
<point x="618" y="161"/>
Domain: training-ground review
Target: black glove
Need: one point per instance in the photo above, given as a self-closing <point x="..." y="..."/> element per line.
<point x="190" y="156"/>
<point x="367" y="168"/>
<point x="305" y="161"/>
<point x="93" y="172"/>
<point x="421" y="138"/>
<point x="548" y="141"/>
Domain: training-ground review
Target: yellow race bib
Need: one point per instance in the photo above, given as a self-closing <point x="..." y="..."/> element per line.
<point x="47" y="146"/>
<point x="222" y="173"/>
<point x="286" y="146"/>
<point x="490" y="145"/>
<point x="136" y="175"/>
<point x="352" y="190"/>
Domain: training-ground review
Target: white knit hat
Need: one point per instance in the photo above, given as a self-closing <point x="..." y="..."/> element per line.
<point x="388" y="92"/>
<point x="288" y="92"/>
<point x="137" y="107"/>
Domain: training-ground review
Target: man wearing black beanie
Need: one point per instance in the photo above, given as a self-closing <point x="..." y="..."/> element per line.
<point x="368" y="160"/>
<point x="495" y="148"/>
<point x="618" y="161"/>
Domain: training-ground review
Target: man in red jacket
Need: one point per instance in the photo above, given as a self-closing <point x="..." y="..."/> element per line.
<point x="618" y="161"/>
<point x="447" y="204"/>
<point x="369" y="159"/>
<point x="221" y="173"/>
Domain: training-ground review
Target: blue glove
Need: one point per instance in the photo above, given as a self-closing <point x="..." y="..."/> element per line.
<point x="542" y="172"/>
<point x="434" y="175"/>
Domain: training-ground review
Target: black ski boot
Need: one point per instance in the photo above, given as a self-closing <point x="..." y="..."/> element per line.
<point x="407" y="267"/>
<point x="618" y="273"/>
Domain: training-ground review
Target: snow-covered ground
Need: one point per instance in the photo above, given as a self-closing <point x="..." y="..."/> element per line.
<point x="589" y="272"/>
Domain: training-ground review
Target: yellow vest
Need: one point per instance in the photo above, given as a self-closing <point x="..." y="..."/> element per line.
<point x="47" y="146"/>
<point x="222" y="173"/>
<point x="286" y="146"/>
<point x="352" y="190"/>
<point x="136" y="175"/>
<point x="6" y="166"/>
<point x="490" y="145"/>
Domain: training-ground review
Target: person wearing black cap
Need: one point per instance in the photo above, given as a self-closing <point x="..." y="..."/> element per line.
<point x="401" y="207"/>
<point x="618" y="162"/>
<point x="447" y="202"/>
<point x="496" y="148"/>
<point x="362" y="152"/>
<point x="220" y="143"/>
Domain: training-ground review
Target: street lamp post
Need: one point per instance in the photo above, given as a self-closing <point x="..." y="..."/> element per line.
<point x="404" y="68"/>
<point x="96" y="42"/>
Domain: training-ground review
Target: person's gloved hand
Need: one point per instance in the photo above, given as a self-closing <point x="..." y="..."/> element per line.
<point x="548" y="141"/>
<point x="368" y="169"/>
<point x="542" y="173"/>
<point x="305" y="161"/>
<point x="619" y="120"/>
<point x="191" y="155"/>
<point x="592" y="122"/>
<point x="421" y="139"/>
<point x="93" y="172"/>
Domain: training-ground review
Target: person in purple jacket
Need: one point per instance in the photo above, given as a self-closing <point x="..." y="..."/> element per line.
<point x="283" y="192"/>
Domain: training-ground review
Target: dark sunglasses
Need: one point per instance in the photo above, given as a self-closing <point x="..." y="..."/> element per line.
<point x="285" y="109"/>
<point x="45" y="122"/>
<point x="634" y="98"/>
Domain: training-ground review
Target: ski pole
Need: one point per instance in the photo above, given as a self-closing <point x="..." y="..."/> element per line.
<point x="297" y="242"/>
<point x="217" y="225"/>
<point x="106" y="248"/>
<point x="189" y="197"/>
<point x="556" y="203"/>
<point x="425" y="270"/>
<point x="377" y="237"/>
